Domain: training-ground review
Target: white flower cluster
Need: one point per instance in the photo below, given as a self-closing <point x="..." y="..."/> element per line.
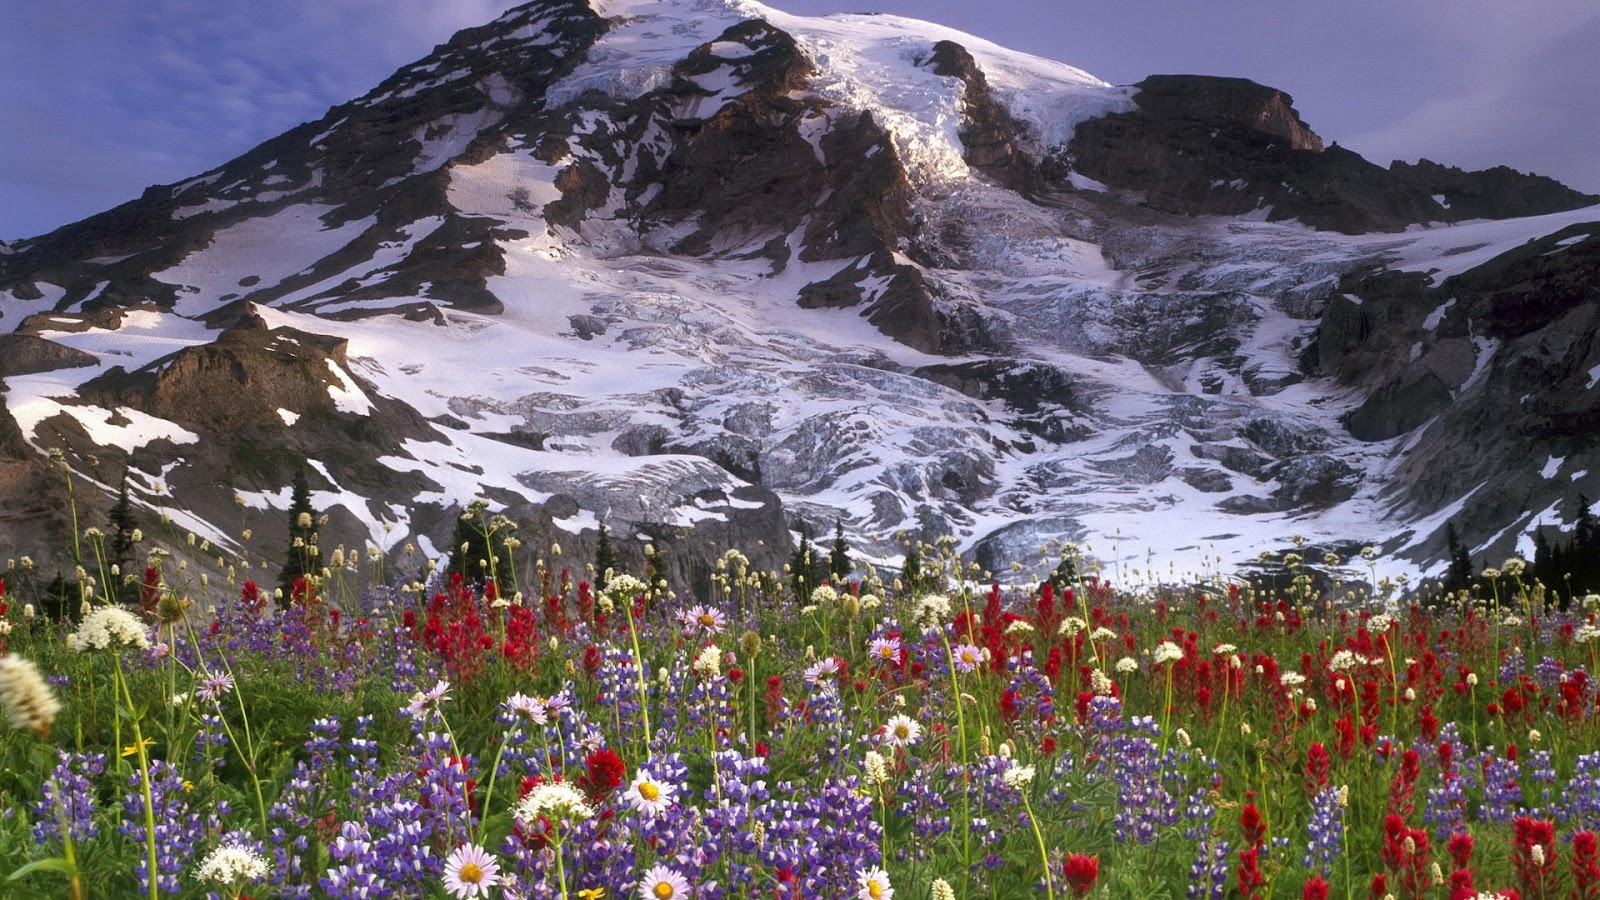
<point x="25" y="696"/>
<point x="1343" y="661"/>
<point x="824" y="595"/>
<point x="1018" y="777"/>
<point x="626" y="587"/>
<point x="108" y="626"/>
<point x="1166" y="652"/>
<point x="1071" y="625"/>
<point x="708" y="664"/>
<point x="1380" y="623"/>
<point x="932" y="610"/>
<point x="553" y="802"/>
<point x="232" y="864"/>
<point x="1100" y="683"/>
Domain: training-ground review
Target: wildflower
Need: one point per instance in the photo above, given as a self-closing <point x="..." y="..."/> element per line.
<point x="901" y="731"/>
<point x="1342" y="661"/>
<point x="1071" y="625"/>
<point x="232" y="864"/>
<point x="874" y="884"/>
<point x="25" y="696"/>
<point x="421" y="700"/>
<point x="824" y="596"/>
<point x="470" y="872"/>
<point x="649" y="796"/>
<point x="1100" y="683"/>
<point x="1291" y="679"/>
<point x="626" y="587"/>
<point x="1018" y="777"/>
<point x="1514" y="567"/>
<point x="106" y="627"/>
<point x="821" y="670"/>
<point x="876" y="769"/>
<point x="702" y="618"/>
<point x="1081" y="871"/>
<point x="967" y="657"/>
<point x="932" y="610"/>
<point x="131" y="749"/>
<point x="1019" y="627"/>
<point x="594" y="893"/>
<point x="885" y="649"/>
<point x="942" y="890"/>
<point x="1224" y="649"/>
<point x="1379" y="623"/>
<point x="532" y="707"/>
<point x="708" y="664"/>
<point x="1127" y="664"/>
<point x="662" y="883"/>
<point x="214" y="685"/>
<point x="556" y="800"/>
<point x="1102" y="634"/>
<point x="1167" y="652"/>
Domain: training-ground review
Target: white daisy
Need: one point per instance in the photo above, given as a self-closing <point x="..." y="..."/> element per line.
<point x="663" y="883"/>
<point x="649" y="795"/>
<point x="470" y="872"/>
<point x="873" y="884"/>
<point x="901" y="730"/>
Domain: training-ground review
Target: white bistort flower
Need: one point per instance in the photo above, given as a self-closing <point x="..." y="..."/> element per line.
<point x="553" y="802"/>
<point x="25" y="695"/>
<point x="1166" y="652"/>
<point x="708" y="664"/>
<point x="232" y="864"/>
<point x="1018" y="777"/>
<point x="109" y="627"/>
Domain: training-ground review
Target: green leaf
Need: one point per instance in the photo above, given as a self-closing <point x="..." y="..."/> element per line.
<point x="52" y="864"/>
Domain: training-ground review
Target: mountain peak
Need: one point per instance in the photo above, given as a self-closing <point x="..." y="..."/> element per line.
<point x="706" y="267"/>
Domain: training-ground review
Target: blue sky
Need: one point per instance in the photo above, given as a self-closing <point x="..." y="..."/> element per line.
<point x="100" y="98"/>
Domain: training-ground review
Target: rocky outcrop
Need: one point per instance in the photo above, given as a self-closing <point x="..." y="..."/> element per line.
<point x="1200" y="145"/>
<point x="991" y="136"/>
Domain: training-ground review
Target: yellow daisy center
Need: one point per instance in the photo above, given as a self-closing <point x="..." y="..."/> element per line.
<point x="471" y="873"/>
<point x="664" y="890"/>
<point x="903" y="732"/>
<point x="707" y="620"/>
<point x="651" y="793"/>
<point x="887" y="653"/>
<point x="874" y="889"/>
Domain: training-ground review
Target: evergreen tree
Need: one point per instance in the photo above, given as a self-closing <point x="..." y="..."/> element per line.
<point x="301" y="559"/>
<point x="1544" y="561"/>
<point x="479" y="549"/>
<point x="1459" y="575"/>
<point x="1581" y="561"/>
<point x="123" y="525"/>
<point x="803" y="567"/>
<point x="839" y="564"/>
<point x="911" y="569"/>
<point x="605" y="558"/>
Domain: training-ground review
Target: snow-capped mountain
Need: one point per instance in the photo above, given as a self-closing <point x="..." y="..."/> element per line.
<point x="708" y="273"/>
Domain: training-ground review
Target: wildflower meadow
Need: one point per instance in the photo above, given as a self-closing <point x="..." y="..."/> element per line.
<point x="585" y="735"/>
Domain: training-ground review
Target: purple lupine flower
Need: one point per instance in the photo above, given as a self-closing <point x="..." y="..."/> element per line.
<point x="1502" y="795"/>
<point x="177" y="831"/>
<point x="1581" y="799"/>
<point x="1325" y="832"/>
<point x="67" y="798"/>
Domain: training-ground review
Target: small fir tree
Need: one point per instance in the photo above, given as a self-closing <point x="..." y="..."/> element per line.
<point x="301" y="559"/>
<point x="605" y="558"/>
<point x="123" y="524"/>
<point x="839" y="564"/>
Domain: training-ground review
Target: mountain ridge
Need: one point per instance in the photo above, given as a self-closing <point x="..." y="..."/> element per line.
<point x="765" y="271"/>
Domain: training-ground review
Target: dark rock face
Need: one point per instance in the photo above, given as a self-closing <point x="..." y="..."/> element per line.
<point x="26" y="354"/>
<point x="991" y="134"/>
<point x="1226" y="146"/>
<point x="1498" y="364"/>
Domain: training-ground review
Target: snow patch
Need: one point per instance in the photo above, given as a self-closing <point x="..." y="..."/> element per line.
<point x="1551" y="467"/>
